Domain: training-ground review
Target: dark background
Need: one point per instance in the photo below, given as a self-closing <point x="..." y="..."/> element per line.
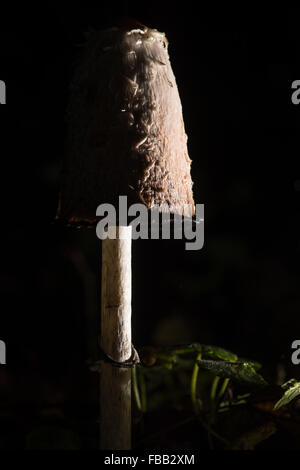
<point x="234" y="70"/>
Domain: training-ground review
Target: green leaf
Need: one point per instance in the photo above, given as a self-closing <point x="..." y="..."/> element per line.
<point x="215" y="352"/>
<point x="239" y="371"/>
<point x="292" y="391"/>
<point x="221" y="362"/>
<point x="207" y="351"/>
<point x="173" y="355"/>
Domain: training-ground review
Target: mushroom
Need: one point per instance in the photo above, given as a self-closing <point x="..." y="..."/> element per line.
<point x="126" y="137"/>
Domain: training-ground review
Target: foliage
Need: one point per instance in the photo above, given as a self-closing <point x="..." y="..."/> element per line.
<point x="225" y="394"/>
<point x="291" y="391"/>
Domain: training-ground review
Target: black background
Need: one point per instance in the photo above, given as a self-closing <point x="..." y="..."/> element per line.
<point x="234" y="69"/>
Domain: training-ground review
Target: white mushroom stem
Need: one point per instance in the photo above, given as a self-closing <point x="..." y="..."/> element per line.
<point x="115" y="341"/>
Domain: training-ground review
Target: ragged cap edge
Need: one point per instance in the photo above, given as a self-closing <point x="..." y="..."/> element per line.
<point x="80" y="221"/>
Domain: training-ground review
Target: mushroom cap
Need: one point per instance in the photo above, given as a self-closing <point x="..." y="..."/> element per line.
<point x="126" y="132"/>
